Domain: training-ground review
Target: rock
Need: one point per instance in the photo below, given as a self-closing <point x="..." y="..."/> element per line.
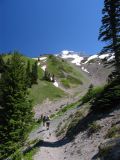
<point x="110" y="149"/>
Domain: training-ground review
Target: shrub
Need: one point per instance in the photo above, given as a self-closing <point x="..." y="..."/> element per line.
<point x="113" y="132"/>
<point x="16" y="156"/>
<point x="65" y="83"/>
<point x="108" y="99"/>
<point x="72" y="126"/>
<point x="94" y="127"/>
<point x="92" y="94"/>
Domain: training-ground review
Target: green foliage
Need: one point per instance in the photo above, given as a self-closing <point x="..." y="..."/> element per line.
<point x="70" y="81"/>
<point x="77" y="122"/>
<point x="31" y="149"/>
<point x="45" y="90"/>
<point x="25" y="59"/>
<point x="64" y="109"/>
<point x="65" y="82"/>
<point x="113" y="132"/>
<point x="16" y="108"/>
<point x="72" y="125"/>
<point x="57" y="66"/>
<point x="109" y="98"/>
<point x="34" y="74"/>
<point x="48" y="77"/>
<point x="92" y="94"/>
<point x="62" y="130"/>
<point x="16" y="156"/>
<point x="2" y="64"/>
<point x="29" y="155"/>
<point x="64" y="71"/>
<point x="110" y="29"/>
<point x="104" y="151"/>
<point x="28" y="75"/>
<point x="94" y="127"/>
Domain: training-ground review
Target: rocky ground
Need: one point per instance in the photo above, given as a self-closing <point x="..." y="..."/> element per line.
<point x="85" y="146"/>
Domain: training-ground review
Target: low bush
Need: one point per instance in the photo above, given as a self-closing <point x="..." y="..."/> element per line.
<point x="109" y="98"/>
<point x="72" y="126"/>
<point x="65" y="83"/>
<point x="94" y="127"/>
<point x="92" y="94"/>
<point x="113" y="132"/>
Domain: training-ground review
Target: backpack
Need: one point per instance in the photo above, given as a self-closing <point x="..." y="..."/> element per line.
<point x="47" y="118"/>
<point x="44" y="118"/>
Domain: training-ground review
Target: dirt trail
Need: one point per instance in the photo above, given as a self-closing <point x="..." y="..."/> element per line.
<point x="83" y="147"/>
<point x="51" y="147"/>
<point x="46" y="152"/>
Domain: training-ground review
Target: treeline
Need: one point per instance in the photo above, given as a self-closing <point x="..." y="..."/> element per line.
<point x="16" y="114"/>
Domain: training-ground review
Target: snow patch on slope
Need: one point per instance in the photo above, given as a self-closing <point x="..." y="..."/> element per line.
<point x="66" y="52"/>
<point x="56" y="84"/>
<point x="111" y="58"/>
<point x="43" y="58"/>
<point x="35" y="59"/>
<point x="90" y="58"/>
<point x="70" y="54"/>
<point x="77" y="60"/>
<point x="103" y="56"/>
<point x="85" y="70"/>
<point x="43" y="67"/>
<point x="38" y="63"/>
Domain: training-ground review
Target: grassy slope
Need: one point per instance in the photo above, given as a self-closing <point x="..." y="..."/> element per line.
<point x="43" y="89"/>
<point x="68" y="75"/>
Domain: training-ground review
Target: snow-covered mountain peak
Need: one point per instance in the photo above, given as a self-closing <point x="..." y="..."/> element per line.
<point x="75" y="57"/>
<point x="66" y="52"/>
<point x="78" y="59"/>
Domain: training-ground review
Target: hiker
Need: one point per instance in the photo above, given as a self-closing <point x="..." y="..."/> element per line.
<point x="47" y="122"/>
<point x="41" y="117"/>
<point x="44" y="120"/>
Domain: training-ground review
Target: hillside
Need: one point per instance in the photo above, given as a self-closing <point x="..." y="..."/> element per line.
<point x="76" y="131"/>
<point x="64" y="72"/>
<point x="43" y="89"/>
<point x="79" y="129"/>
<point x="69" y="77"/>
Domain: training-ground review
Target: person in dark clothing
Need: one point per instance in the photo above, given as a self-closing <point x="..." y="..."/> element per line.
<point x="48" y="122"/>
<point x="44" y="120"/>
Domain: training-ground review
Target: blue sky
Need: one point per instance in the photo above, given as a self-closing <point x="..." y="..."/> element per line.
<point x="48" y="26"/>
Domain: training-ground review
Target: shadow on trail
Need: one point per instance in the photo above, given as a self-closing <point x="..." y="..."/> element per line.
<point x="58" y="143"/>
<point x="96" y="156"/>
<point x="41" y="131"/>
<point x="43" y="143"/>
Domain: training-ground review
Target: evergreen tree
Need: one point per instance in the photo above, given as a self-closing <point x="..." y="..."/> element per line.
<point x="47" y="76"/>
<point x="90" y="87"/>
<point x="2" y="64"/>
<point x="34" y="73"/>
<point x="53" y="78"/>
<point x="110" y="29"/>
<point x="28" y="75"/>
<point x="15" y="107"/>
